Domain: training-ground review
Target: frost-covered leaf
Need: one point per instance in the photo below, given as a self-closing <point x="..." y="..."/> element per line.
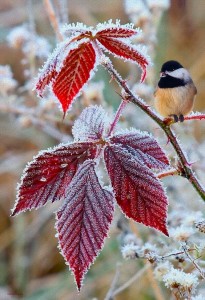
<point x="143" y="146"/>
<point x="75" y="29"/>
<point x="75" y="72"/>
<point x="51" y="67"/>
<point x="125" y="51"/>
<point x="116" y="32"/>
<point x="91" y="124"/>
<point x="138" y="192"/>
<point x="83" y="221"/>
<point x="47" y="177"/>
<point x="47" y="75"/>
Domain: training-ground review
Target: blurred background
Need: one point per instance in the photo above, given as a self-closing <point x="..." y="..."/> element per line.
<point x="31" y="266"/>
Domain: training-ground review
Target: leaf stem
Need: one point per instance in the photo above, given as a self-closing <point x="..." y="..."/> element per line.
<point x="187" y="170"/>
<point x="117" y="116"/>
<point x="170" y="172"/>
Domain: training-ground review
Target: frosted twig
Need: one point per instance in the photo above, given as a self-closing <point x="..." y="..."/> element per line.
<point x="109" y="295"/>
<point x="130" y="281"/>
<point x="197" y="116"/>
<point x="193" y="261"/>
<point x="186" y="168"/>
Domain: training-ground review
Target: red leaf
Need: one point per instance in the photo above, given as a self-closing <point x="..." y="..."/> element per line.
<point x="91" y="124"/>
<point x="126" y="51"/>
<point x="74" y="73"/>
<point x="138" y="192"/>
<point x="83" y="221"/>
<point x="47" y="177"/>
<point x="143" y="146"/>
<point x="49" y="71"/>
<point x="48" y="74"/>
<point x="116" y="32"/>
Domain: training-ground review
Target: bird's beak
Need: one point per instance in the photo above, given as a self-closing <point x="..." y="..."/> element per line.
<point x="162" y="74"/>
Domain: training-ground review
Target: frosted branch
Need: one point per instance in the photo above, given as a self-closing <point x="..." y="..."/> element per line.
<point x="165" y="126"/>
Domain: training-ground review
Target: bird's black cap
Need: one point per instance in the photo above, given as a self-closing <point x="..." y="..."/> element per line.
<point x="171" y="65"/>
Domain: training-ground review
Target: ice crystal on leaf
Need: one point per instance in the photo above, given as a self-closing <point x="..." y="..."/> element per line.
<point x="143" y="146"/>
<point x="84" y="220"/>
<point x="71" y="65"/>
<point x="91" y="124"/>
<point x="67" y="172"/>
<point x="47" y="177"/>
<point x="138" y="192"/>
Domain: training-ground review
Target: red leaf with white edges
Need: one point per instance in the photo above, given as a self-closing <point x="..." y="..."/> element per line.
<point x="125" y="51"/>
<point x="84" y="220"/>
<point x="91" y="124"/>
<point x="49" y="71"/>
<point x="138" y="192"/>
<point x="47" y="177"/>
<point x="143" y="146"/>
<point x="75" y="72"/>
<point x="47" y="76"/>
<point x="116" y="32"/>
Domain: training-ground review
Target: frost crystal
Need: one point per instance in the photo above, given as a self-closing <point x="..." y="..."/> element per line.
<point x="181" y="233"/>
<point x="7" y="83"/>
<point x="175" y="278"/>
<point x="84" y="220"/>
<point x="21" y="37"/>
<point x="162" y="269"/>
<point x="200" y="226"/>
<point x="91" y="124"/>
<point x="18" y="36"/>
<point x="198" y="297"/>
<point x="130" y="251"/>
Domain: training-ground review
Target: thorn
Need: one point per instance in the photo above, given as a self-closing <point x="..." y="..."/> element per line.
<point x="111" y="79"/>
<point x="168" y="140"/>
<point x="189" y="164"/>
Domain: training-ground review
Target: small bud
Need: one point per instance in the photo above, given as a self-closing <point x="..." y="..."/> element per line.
<point x="200" y="226"/>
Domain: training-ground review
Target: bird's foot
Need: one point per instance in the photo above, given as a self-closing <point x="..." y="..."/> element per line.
<point x="176" y="118"/>
<point x="181" y="118"/>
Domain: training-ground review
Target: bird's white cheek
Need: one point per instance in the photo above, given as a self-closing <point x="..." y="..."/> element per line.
<point x="181" y="74"/>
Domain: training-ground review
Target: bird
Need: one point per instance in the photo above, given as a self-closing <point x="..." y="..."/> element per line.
<point x="176" y="91"/>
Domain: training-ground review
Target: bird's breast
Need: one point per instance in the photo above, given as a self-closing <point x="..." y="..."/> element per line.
<point x="175" y="101"/>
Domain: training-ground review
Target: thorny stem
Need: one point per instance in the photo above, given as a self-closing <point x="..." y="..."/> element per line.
<point x="187" y="170"/>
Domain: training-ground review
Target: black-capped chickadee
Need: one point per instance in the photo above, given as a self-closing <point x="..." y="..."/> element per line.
<point x="176" y="91"/>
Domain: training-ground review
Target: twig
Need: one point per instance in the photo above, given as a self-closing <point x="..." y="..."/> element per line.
<point x="53" y="19"/>
<point x="187" y="171"/>
<point x="109" y="294"/>
<point x="154" y="284"/>
<point x="131" y="280"/>
<point x="193" y="262"/>
<point x="194" y="117"/>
